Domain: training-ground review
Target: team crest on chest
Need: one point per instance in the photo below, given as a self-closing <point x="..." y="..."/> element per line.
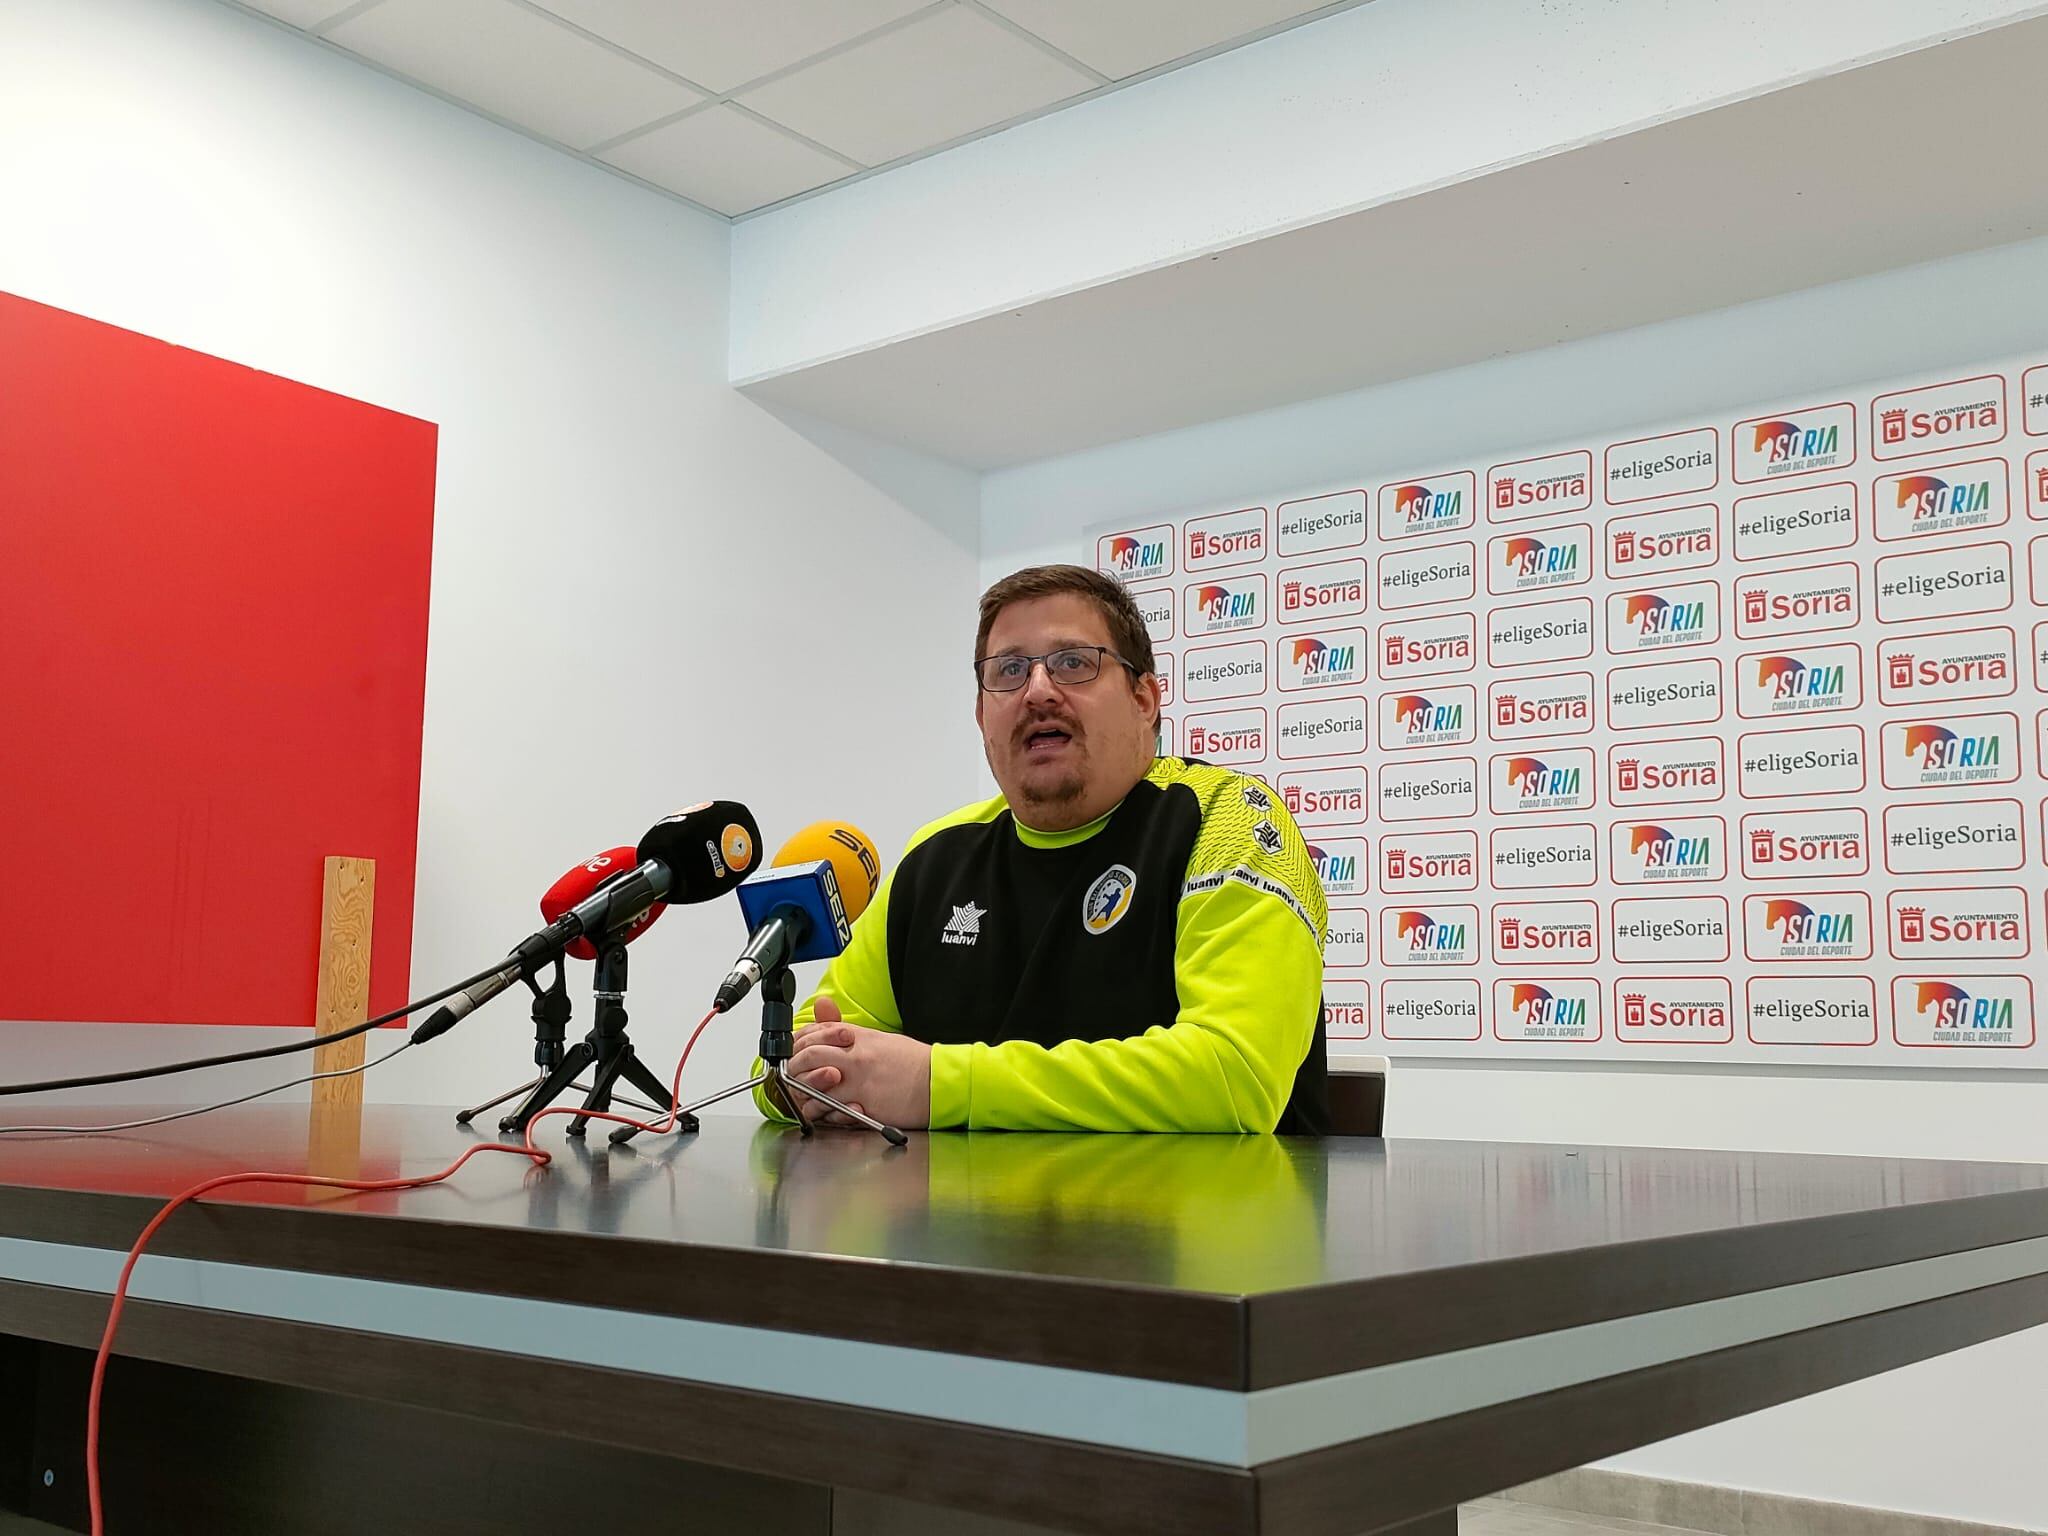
<point x="1108" y="899"/>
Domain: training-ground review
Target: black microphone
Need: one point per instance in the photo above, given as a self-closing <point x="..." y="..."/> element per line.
<point x="697" y="854"/>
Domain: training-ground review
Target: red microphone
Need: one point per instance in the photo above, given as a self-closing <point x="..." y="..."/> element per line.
<point x="584" y="881"/>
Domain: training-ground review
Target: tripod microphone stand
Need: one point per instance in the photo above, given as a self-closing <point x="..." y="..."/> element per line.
<point x="778" y="1041"/>
<point x="606" y="1047"/>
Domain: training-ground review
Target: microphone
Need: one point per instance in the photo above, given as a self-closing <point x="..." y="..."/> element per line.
<point x="697" y="854"/>
<point x="824" y="877"/>
<point x="598" y="872"/>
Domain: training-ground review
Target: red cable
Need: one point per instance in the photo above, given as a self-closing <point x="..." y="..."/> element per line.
<point x="539" y="1158"/>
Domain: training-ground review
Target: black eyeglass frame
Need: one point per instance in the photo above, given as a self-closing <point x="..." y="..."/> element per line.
<point x="1032" y="661"/>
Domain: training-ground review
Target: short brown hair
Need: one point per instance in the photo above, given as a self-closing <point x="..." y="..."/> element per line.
<point x="1127" y="632"/>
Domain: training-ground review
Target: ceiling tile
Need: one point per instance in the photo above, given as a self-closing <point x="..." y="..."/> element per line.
<point x="511" y="62"/>
<point x="1130" y="36"/>
<point x="939" y="77"/>
<point x="721" y="45"/>
<point x="300" y="13"/>
<point x="726" y="160"/>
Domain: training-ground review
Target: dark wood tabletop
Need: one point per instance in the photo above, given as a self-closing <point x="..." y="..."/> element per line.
<point x="1239" y="1264"/>
<point x="1210" y="1260"/>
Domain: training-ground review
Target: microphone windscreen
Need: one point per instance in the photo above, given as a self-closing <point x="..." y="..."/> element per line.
<point x="708" y="848"/>
<point x="585" y="880"/>
<point x="850" y="852"/>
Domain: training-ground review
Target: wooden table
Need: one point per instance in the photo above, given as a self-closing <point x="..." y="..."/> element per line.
<point x="742" y="1329"/>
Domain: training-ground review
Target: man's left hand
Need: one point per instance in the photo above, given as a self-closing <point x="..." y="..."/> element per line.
<point x="877" y="1071"/>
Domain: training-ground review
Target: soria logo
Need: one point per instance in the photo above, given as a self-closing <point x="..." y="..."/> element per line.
<point x="1979" y="923"/>
<point x="1437" y="504"/>
<point x="1795" y="443"/>
<point x="1546" y="1010"/>
<point x="1963" y="1010"/>
<point x="1429" y="861"/>
<point x="1666" y="772"/>
<point x="1687" y="848"/>
<point x="1961" y="749"/>
<point x="1560" y="780"/>
<point x="1140" y="555"/>
<point x="1558" y="482"/>
<point x="1546" y="933"/>
<point x="1952" y="837"/>
<point x="1325" y="797"/>
<point x="1230" y="538"/>
<point x="1773" y="683"/>
<point x="1427" y="647"/>
<point x="1948" y="499"/>
<point x="1827" y="926"/>
<point x="1959" y="415"/>
<point x="1525" y="562"/>
<point x="1440" y="717"/>
<point x="1411" y="936"/>
<point x="1322" y="659"/>
<point x="1674" y="1010"/>
<point x="1561" y="705"/>
<point x="1663" y="541"/>
<point x="1217" y="607"/>
<point x="1805" y="844"/>
<point x="1334" y="590"/>
<point x="1236" y="736"/>
<point x="1796" y="602"/>
<point x="1664" y="618"/>
<point x="1340" y="864"/>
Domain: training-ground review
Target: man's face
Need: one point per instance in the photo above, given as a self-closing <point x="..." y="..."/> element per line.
<point x="1065" y="754"/>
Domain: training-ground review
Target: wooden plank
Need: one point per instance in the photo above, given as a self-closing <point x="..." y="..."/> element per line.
<point x="347" y="901"/>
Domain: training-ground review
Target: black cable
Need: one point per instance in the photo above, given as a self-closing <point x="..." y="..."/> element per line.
<point x="56" y="1085"/>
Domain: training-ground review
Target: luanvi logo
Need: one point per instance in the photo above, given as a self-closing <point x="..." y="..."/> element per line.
<point x="964" y="927"/>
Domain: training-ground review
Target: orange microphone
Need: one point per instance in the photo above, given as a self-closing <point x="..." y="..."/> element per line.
<point x="803" y="907"/>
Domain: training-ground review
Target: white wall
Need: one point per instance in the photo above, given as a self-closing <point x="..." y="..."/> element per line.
<point x="1362" y="108"/>
<point x="612" y="520"/>
<point x="1892" y="1442"/>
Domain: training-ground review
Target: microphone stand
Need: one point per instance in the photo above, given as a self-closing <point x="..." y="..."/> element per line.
<point x="778" y="1042"/>
<point x="606" y="1047"/>
<point x="551" y="1010"/>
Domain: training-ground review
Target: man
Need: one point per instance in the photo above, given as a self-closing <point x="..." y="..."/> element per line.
<point x="1117" y="942"/>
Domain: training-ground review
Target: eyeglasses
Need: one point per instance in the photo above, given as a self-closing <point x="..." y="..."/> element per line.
<point x="1074" y="664"/>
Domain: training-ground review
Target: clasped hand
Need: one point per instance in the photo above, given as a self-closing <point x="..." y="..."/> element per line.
<point x="876" y="1071"/>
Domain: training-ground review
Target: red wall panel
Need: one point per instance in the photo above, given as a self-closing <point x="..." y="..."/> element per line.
<point x="213" y="632"/>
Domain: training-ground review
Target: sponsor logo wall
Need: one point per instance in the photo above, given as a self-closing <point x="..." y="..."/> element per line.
<point x="1721" y="739"/>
